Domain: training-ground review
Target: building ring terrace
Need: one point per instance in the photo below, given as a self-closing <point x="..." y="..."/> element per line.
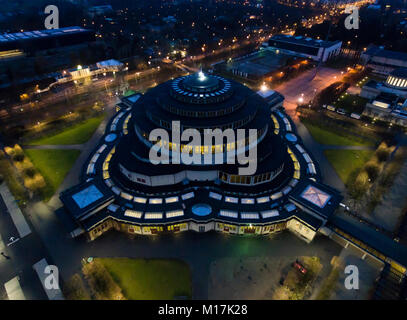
<point x="121" y="189"/>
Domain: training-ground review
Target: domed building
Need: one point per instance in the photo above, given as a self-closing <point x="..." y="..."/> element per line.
<point x="224" y="161"/>
<point x="395" y="84"/>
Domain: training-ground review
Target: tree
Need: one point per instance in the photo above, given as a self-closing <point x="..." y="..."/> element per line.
<point x="373" y="170"/>
<point x="383" y="154"/>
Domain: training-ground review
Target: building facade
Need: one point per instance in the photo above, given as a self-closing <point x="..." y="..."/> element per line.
<point x="388" y="100"/>
<point x="317" y="50"/>
<point x="383" y="61"/>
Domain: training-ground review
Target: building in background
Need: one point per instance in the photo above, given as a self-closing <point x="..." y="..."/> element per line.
<point x="100" y="10"/>
<point x="388" y="99"/>
<point x="396" y="84"/>
<point x="256" y="66"/>
<point x="30" y="55"/>
<point x="317" y="50"/>
<point x="383" y="61"/>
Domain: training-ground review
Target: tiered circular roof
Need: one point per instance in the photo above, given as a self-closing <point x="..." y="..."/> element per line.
<point x="145" y="193"/>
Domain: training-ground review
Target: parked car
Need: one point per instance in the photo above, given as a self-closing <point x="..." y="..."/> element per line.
<point x="355" y="116"/>
<point x="297" y="265"/>
<point x="341" y="111"/>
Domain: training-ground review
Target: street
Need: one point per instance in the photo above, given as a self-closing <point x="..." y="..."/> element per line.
<point x="19" y="256"/>
<point x="303" y="88"/>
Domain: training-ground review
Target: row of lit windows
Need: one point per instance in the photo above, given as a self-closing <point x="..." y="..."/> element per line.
<point x="397" y="82"/>
<point x="219" y="148"/>
<point x="236" y="179"/>
<point x="173" y="227"/>
<point x="233" y="125"/>
<point x="206" y="100"/>
<point x="205" y="149"/>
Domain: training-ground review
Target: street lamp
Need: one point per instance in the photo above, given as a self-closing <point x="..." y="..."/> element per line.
<point x="263" y="87"/>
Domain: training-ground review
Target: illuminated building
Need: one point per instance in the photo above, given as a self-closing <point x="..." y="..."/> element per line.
<point x="121" y="189"/>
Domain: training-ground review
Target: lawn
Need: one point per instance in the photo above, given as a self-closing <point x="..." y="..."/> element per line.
<point x="347" y="161"/>
<point x="351" y="103"/>
<point x="53" y="165"/>
<point x="78" y="134"/>
<point x="325" y="136"/>
<point x="150" y="279"/>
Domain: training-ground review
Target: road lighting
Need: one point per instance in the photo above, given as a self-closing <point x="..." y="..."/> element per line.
<point x="263" y="87"/>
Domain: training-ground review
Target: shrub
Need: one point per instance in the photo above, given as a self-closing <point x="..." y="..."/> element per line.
<point x="29" y="172"/>
<point x="74" y="289"/>
<point x="383" y="154"/>
<point x="360" y="186"/>
<point x="18" y="157"/>
<point x="101" y="282"/>
<point x="373" y="170"/>
<point x="35" y="184"/>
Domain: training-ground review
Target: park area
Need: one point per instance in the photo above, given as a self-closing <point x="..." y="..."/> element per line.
<point x="53" y="165"/>
<point x="132" y="279"/>
<point x="345" y="162"/>
<point x="77" y="134"/>
<point x="330" y="136"/>
<point x="35" y="172"/>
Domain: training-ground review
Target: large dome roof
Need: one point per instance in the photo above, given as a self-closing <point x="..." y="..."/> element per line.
<point x="200" y="102"/>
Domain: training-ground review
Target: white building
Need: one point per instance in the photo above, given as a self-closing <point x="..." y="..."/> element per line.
<point x="317" y="50"/>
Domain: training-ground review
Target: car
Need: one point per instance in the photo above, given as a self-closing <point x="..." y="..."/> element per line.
<point x="341" y="111"/>
<point x="355" y="116"/>
<point x="297" y="265"/>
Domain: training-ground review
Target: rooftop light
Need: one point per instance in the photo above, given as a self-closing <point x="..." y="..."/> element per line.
<point x="201" y="76"/>
<point x="263" y="87"/>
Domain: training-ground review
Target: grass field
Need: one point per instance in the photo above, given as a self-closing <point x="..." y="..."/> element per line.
<point x="77" y="134"/>
<point x="53" y="165"/>
<point x="155" y="279"/>
<point x="347" y="161"/>
<point x="324" y="136"/>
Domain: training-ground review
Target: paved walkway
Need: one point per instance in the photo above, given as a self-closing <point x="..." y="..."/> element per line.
<point x="13" y="289"/>
<point x="15" y="212"/>
<point x="329" y="175"/>
<point x="55" y="146"/>
<point x="332" y="147"/>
